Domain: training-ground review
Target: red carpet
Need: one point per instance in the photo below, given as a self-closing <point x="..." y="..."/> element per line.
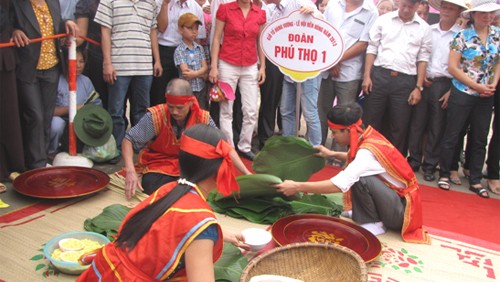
<point x="473" y="219"/>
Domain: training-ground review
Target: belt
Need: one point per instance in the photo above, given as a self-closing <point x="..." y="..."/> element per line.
<point x="390" y="72"/>
<point x="440" y="79"/>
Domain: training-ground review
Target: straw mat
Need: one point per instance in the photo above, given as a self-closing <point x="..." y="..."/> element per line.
<point x="23" y="238"/>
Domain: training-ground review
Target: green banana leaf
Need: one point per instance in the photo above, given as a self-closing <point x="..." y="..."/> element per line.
<point x="254" y="185"/>
<point x="288" y="158"/>
<point x="314" y="203"/>
<point x="108" y="222"/>
<point x="229" y="267"/>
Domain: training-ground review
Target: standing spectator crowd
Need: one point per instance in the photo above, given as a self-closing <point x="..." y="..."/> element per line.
<point x="431" y="90"/>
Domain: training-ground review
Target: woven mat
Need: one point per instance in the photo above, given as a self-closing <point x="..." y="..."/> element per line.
<point x="444" y="260"/>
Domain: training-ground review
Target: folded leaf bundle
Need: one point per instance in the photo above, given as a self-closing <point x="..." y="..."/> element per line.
<point x="288" y="158"/>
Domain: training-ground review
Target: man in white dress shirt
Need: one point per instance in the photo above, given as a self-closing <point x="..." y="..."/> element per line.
<point x="169" y="38"/>
<point x="429" y="115"/>
<point x="395" y="66"/>
<point x="353" y="19"/>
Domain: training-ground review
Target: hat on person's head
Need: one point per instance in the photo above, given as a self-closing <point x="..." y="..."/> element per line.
<point x="436" y="4"/>
<point x="188" y="19"/>
<point x="481" y="6"/>
<point x="93" y="125"/>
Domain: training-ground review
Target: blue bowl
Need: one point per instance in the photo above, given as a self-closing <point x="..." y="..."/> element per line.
<point x="71" y="267"/>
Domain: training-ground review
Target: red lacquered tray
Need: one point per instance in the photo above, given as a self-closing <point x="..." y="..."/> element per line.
<point x="322" y="228"/>
<point x="60" y="182"/>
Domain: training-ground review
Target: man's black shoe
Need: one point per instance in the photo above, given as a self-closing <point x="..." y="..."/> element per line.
<point x="247" y="155"/>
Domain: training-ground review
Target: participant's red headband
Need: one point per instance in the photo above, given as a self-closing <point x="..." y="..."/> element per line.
<point x="178" y="100"/>
<point x="355" y="130"/>
<point x="226" y="177"/>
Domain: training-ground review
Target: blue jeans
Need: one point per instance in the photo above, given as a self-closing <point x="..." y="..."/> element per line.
<point x="309" y="106"/>
<point x="138" y="88"/>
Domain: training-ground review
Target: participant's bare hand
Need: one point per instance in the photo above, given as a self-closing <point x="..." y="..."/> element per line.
<point x="131" y="184"/>
<point x="236" y="239"/>
<point x="427" y="82"/>
<point x="335" y="71"/>
<point x="288" y="187"/>
<point x="19" y="38"/>
<point x="485" y="90"/>
<point x="323" y="151"/>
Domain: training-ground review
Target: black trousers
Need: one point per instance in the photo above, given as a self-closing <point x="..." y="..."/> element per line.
<point x="493" y="160"/>
<point x="461" y="107"/>
<point x="170" y="72"/>
<point x="390" y="93"/>
<point x="152" y="181"/>
<point x="270" y="97"/>
<point x="373" y="201"/>
<point x="427" y="124"/>
<point x="37" y="102"/>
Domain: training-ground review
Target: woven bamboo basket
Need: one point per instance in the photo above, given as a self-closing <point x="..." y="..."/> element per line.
<point x="309" y="262"/>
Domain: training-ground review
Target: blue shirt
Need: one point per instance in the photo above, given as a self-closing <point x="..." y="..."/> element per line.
<point x="193" y="58"/>
<point x="478" y="61"/>
<point x="84" y="89"/>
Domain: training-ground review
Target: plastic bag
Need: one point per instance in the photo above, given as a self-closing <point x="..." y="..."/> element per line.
<point x="100" y="154"/>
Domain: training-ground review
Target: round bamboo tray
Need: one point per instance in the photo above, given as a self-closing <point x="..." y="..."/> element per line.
<point x="309" y="262"/>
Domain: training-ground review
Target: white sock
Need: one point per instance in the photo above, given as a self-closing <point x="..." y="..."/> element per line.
<point x="347" y="214"/>
<point x="376" y="228"/>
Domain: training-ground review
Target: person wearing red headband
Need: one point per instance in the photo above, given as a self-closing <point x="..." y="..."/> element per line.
<point x="379" y="186"/>
<point x="157" y="137"/>
<point x="173" y="235"/>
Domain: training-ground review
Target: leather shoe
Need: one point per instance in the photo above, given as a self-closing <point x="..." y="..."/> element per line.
<point x="247" y="155"/>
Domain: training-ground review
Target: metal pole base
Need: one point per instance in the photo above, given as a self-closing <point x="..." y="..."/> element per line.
<point x="64" y="159"/>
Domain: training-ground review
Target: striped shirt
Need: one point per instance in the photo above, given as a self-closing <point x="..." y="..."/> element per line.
<point x="130" y="22"/>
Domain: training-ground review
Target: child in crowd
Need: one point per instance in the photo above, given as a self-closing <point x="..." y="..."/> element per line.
<point x="189" y="58"/>
<point x="84" y="91"/>
<point x="385" y="6"/>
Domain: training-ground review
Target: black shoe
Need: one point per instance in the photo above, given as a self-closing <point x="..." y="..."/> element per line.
<point x="247" y="155"/>
<point x="429" y="176"/>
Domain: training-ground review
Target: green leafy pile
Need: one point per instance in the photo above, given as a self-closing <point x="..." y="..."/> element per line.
<point x="230" y="265"/>
<point x="108" y="222"/>
<point x="268" y="209"/>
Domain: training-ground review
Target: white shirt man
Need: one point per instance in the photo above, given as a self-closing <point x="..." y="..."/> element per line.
<point x="396" y="61"/>
<point x="353" y="19"/>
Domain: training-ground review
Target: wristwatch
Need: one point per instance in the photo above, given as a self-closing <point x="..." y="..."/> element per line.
<point x="419" y="87"/>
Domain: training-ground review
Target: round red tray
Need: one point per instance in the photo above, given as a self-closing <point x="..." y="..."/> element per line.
<point x="60" y="182"/>
<point x="326" y="229"/>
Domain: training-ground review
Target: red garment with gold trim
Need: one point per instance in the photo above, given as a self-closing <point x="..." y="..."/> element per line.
<point x="396" y="165"/>
<point x="157" y="254"/>
<point x="162" y="155"/>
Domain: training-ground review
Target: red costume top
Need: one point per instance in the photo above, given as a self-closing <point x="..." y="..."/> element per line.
<point x="397" y="166"/>
<point x="162" y="155"/>
<point x="157" y="254"/>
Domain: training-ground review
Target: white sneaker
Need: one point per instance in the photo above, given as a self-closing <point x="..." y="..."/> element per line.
<point x="347" y="214"/>
<point x="376" y="228"/>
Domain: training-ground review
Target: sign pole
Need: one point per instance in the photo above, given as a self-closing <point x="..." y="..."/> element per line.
<point x="297" y="107"/>
<point x="72" y="94"/>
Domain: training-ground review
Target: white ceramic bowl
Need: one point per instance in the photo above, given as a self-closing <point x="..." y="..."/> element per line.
<point x="256" y="238"/>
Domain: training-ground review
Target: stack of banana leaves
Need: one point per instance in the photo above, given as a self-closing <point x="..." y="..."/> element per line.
<point x="282" y="158"/>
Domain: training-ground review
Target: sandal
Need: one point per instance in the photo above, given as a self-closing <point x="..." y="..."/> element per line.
<point x="444" y="184"/>
<point x="494" y="190"/>
<point x="455" y="180"/>
<point x="480" y="191"/>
